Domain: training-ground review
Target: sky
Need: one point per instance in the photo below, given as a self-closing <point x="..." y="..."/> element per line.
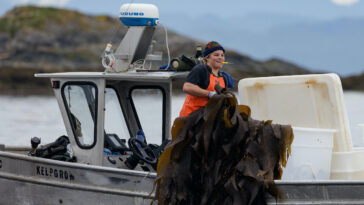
<point x="321" y="9"/>
<point x="180" y="16"/>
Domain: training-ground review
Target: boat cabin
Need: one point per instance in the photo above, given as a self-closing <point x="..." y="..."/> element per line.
<point x="102" y="111"/>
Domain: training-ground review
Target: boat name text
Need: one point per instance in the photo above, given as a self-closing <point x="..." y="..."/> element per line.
<point x="55" y="173"/>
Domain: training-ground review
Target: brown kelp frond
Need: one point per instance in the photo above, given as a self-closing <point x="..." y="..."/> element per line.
<point x="220" y="155"/>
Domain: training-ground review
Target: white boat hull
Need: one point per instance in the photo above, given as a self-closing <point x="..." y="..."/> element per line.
<point x="29" y="180"/>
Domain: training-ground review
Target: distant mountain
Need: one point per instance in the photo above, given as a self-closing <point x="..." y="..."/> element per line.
<point x="334" y="46"/>
<point x="354" y="82"/>
<point x="51" y="39"/>
<point x="329" y="46"/>
<point x="250" y="22"/>
<point x="260" y="22"/>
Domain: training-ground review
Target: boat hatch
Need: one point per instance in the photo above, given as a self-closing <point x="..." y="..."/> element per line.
<point x="101" y="109"/>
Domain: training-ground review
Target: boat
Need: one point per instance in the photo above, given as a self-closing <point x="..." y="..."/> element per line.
<point x="91" y="103"/>
<point x="101" y="162"/>
<point x="88" y="102"/>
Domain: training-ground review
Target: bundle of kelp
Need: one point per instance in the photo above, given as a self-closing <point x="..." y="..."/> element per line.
<point x="220" y="155"/>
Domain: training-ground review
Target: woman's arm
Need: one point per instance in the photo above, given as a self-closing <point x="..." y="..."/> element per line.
<point x="195" y="90"/>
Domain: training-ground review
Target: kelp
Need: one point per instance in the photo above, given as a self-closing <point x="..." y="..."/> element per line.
<point x="220" y="155"/>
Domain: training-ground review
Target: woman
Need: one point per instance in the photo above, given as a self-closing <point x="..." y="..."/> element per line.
<point x="201" y="81"/>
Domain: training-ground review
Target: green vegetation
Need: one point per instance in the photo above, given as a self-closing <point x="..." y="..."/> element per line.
<point x="30" y="18"/>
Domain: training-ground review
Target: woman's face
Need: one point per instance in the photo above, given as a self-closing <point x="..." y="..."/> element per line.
<point x="215" y="59"/>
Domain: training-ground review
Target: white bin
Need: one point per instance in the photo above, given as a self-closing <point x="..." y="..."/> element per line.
<point x="310" y="157"/>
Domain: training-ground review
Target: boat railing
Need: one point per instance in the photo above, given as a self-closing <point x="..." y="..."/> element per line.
<point x="15" y="149"/>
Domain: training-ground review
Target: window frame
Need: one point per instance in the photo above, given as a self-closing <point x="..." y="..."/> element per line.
<point x="69" y="112"/>
<point x="150" y="87"/>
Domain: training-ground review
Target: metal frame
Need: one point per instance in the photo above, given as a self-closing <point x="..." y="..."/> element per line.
<point x="164" y="112"/>
<point x="94" y="115"/>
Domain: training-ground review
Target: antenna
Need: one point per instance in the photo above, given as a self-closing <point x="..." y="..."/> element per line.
<point x="141" y="20"/>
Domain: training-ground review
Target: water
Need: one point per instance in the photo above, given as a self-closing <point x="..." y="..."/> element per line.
<point x="355" y="109"/>
<point x="24" y="117"/>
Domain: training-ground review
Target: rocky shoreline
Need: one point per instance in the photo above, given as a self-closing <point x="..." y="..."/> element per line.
<point x="46" y="40"/>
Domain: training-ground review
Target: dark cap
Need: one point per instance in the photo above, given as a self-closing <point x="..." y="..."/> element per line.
<point x="211" y="47"/>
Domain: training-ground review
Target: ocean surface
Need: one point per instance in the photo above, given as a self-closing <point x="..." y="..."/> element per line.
<point x="24" y="117"/>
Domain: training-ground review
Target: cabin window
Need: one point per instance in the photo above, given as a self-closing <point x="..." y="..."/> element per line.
<point x="149" y="104"/>
<point x="114" y="117"/>
<point x="81" y="103"/>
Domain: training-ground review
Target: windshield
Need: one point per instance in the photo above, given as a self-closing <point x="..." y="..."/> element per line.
<point x="148" y="104"/>
<point x="114" y="117"/>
